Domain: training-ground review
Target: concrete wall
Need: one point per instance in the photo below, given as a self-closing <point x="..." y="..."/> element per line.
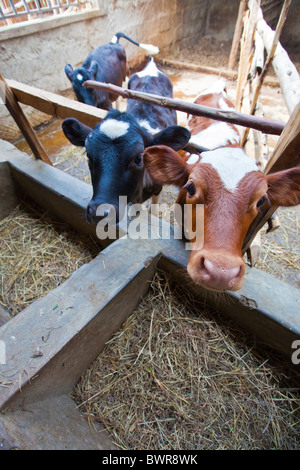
<point x="39" y="58"/>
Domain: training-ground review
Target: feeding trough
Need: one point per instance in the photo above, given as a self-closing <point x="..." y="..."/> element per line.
<point x="46" y="347"/>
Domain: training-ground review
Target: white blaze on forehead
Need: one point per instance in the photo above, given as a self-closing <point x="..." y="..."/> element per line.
<point x="113" y="128"/>
<point x="232" y="164"/>
<point x="79" y="77"/>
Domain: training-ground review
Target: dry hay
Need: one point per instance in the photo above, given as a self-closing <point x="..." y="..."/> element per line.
<point x="280" y="250"/>
<point x="179" y="377"/>
<point x="37" y="254"/>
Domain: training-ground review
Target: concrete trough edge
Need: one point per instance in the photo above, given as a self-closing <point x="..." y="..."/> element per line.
<point x="97" y="298"/>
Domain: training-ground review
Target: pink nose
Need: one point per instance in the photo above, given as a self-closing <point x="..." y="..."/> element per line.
<point x="221" y="276"/>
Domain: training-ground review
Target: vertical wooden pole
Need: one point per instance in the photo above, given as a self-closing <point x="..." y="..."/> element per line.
<point x="246" y="54"/>
<point x="286" y="155"/>
<point x="268" y="62"/>
<point x="237" y="34"/>
<point x="24" y="125"/>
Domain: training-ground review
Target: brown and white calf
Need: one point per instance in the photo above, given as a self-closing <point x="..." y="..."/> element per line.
<point x="231" y="190"/>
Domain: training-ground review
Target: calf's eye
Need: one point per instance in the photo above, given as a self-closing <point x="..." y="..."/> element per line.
<point x="138" y="161"/>
<point x="261" y="201"/>
<point x="190" y="187"/>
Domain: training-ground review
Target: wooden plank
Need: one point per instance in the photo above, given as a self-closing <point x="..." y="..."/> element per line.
<point x="24" y="125"/>
<point x="54" y="424"/>
<point x="287" y="151"/>
<point x="269" y="60"/>
<point x="237" y="34"/>
<point x="4" y="316"/>
<point x="286" y="155"/>
<point x="285" y="70"/>
<point x="266" y="125"/>
<point x="91" y="305"/>
<point x="56" y="105"/>
<point x="246" y="55"/>
<point x="230" y="74"/>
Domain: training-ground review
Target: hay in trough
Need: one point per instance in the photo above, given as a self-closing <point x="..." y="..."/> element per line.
<point x="37" y="254"/>
<point x="177" y="376"/>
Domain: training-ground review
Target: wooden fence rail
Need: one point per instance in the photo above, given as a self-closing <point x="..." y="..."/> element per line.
<point x="265" y="125"/>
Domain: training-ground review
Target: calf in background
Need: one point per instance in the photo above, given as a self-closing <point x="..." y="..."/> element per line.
<point x="106" y="63"/>
<point x="115" y="146"/>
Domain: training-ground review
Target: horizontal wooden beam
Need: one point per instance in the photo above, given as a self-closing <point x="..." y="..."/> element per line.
<point x="265" y="125"/>
<point x="219" y="72"/>
<point x="23" y="123"/>
<point x="56" y="105"/>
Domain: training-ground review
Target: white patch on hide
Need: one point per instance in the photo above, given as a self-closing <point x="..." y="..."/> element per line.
<point x="113" y="128"/>
<point x="79" y="77"/>
<point x="232" y="164"/>
<point x="218" y="86"/>
<point x="224" y="106"/>
<point x="150" y="70"/>
<point x="216" y="135"/>
<point x="194" y="158"/>
<point x="145" y="124"/>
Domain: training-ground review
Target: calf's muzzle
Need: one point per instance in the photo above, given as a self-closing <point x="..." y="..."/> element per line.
<point x="216" y="271"/>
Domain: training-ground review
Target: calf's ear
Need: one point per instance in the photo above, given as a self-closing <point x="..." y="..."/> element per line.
<point x="94" y="69"/>
<point x="284" y="187"/>
<point x="165" y="166"/>
<point x="69" y="71"/>
<point x="175" y="137"/>
<point x="75" y="131"/>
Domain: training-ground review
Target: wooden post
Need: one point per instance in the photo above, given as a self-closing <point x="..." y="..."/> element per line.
<point x="246" y="55"/>
<point x="285" y="155"/>
<point x="285" y="70"/>
<point x="23" y="124"/>
<point x="269" y="59"/>
<point x="56" y="105"/>
<point x="287" y="151"/>
<point x="237" y="34"/>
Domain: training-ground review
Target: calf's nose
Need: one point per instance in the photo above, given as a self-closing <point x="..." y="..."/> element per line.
<point x="96" y="212"/>
<point x="221" y="275"/>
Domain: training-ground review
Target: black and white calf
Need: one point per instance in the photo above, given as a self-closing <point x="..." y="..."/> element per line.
<point x="115" y="146"/>
<point x="106" y="63"/>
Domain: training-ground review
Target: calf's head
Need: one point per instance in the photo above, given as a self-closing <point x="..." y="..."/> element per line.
<point x="114" y="149"/>
<point x="231" y="191"/>
<point x="87" y="95"/>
